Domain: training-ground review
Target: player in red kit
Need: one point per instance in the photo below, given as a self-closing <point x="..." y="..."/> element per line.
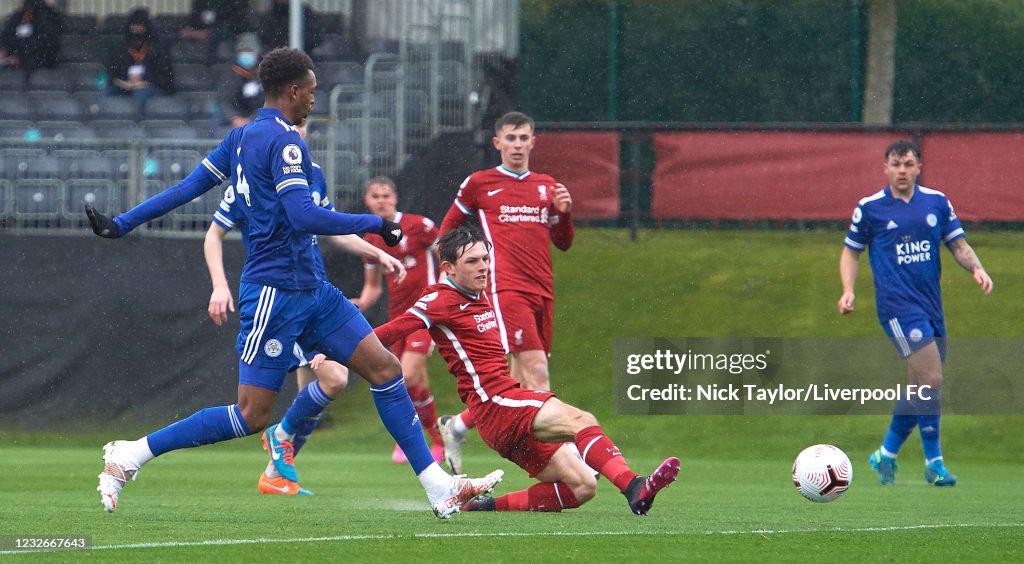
<point x="532" y="428"/>
<point x="522" y="213"/>
<point x="417" y="252"/>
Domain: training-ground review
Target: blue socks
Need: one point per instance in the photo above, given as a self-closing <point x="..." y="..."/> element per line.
<point x="210" y="425"/>
<point x="304" y="413"/>
<point x="904" y="418"/>
<point x="399" y="416"/>
<point x="929" y="411"/>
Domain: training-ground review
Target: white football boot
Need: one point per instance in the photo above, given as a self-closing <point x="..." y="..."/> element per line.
<point x="462" y="490"/>
<point x="118" y="468"/>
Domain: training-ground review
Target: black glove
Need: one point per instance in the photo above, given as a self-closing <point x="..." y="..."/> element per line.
<point x="391" y="232"/>
<point x="101" y="224"/>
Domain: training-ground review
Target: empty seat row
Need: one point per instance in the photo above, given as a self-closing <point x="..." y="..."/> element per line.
<point x="82" y="107"/>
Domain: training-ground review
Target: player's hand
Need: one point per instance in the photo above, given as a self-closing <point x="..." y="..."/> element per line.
<point x="220" y="303"/>
<point x="391" y="232"/>
<point x="563" y="201"/>
<point x="317" y="361"/>
<point x="392" y="266"/>
<point x="983" y="280"/>
<point x="101" y="224"/>
<point x="846" y="303"/>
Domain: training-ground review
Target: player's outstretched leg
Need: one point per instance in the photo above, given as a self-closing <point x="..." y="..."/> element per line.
<point x="122" y="459"/>
<point x="120" y="464"/>
<point x="601" y="454"/>
<point x="641" y="490"/>
<point x="453" y="429"/>
<point x="462" y="491"/>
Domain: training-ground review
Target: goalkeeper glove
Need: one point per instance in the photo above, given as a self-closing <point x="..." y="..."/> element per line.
<point x="391" y="232"/>
<point x="101" y="224"/>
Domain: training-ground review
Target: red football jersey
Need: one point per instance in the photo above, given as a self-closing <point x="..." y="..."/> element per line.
<point x="416" y="253"/>
<point x="517" y="214"/>
<point x="465" y="330"/>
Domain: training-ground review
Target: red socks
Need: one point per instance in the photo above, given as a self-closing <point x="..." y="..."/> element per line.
<point x="601" y="454"/>
<point x="423" y="401"/>
<point x="538" y="497"/>
<point x="467" y="419"/>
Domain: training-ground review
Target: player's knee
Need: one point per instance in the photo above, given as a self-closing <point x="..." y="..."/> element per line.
<point x="583" y="487"/>
<point x="255" y="418"/>
<point x="386" y="368"/>
<point x="333" y="378"/>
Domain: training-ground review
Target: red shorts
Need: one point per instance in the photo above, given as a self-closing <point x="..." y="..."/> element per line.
<point x="527" y="319"/>
<point x="505" y="422"/>
<point x="418" y="342"/>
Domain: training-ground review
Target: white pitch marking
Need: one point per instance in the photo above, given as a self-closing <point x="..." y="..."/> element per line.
<point x="343" y="538"/>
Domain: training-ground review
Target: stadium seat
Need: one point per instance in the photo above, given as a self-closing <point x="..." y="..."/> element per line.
<point x="117" y="129"/>
<point x="171" y="165"/>
<point x="84" y="24"/>
<point x="193" y="77"/>
<point x="16" y="107"/>
<point x="168" y="26"/>
<point x="121" y="159"/>
<point x="190" y="52"/>
<point x="113" y="107"/>
<point x="174" y="130"/>
<point x="32" y="167"/>
<point x="55" y="106"/>
<point x="199" y="103"/>
<point x="6" y="191"/>
<point x="38" y="198"/>
<point x="82" y="48"/>
<point x="71" y="159"/>
<point x="84" y="76"/>
<point x="12" y="80"/>
<point x="15" y="129"/>
<point x="347" y="171"/>
<point x="97" y="192"/>
<point x="65" y="131"/>
<point x="333" y="47"/>
<point x="452" y="50"/>
<point x="88" y="165"/>
<point x="166" y="107"/>
<point x="114" y="24"/>
<point x="56" y="79"/>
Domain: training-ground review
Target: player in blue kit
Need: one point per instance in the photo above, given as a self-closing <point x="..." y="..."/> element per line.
<point x="283" y="297"/>
<point x="902" y="227"/>
<point x="319" y="380"/>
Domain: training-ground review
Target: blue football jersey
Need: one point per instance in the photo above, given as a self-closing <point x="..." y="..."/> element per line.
<point x="902" y="239"/>
<point x="270" y="160"/>
<point x="229" y="217"/>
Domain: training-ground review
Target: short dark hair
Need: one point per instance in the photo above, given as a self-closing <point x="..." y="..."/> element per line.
<point x="515" y="119"/>
<point x="902" y="147"/>
<point x="452" y="244"/>
<point x="281" y="67"/>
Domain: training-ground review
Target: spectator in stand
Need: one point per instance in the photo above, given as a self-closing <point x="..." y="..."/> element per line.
<point x="213" y="21"/>
<point x="273" y="27"/>
<point x="141" y="67"/>
<point x="239" y="95"/>
<point x="31" y="37"/>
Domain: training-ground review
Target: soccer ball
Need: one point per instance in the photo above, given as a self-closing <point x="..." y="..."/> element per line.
<point x="821" y="473"/>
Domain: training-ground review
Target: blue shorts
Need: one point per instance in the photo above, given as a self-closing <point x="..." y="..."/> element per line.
<point x="274" y="320"/>
<point x="912" y="332"/>
<point x="301" y="357"/>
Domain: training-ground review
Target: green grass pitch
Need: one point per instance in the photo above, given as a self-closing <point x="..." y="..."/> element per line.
<point x="734" y="500"/>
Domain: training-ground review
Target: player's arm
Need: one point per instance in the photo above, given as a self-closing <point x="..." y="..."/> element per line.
<point x="848" y="266"/>
<point x="400" y="327"/>
<point x="358" y="246"/>
<point x="372" y="288"/>
<point x="211" y="172"/>
<point x="213" y="250"/>
<point x="966" y="257"/>
<point x="462" y="206"/>
<point x="563" y="232"/>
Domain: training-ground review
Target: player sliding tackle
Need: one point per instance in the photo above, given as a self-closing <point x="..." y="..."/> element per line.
<point x="283" y="298"/>
<point x="532" y="428"/>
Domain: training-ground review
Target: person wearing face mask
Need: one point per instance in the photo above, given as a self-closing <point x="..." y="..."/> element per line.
<point x="30" y="38"/>
<point x="239" y="95"/>
<point x="141" y="67"/>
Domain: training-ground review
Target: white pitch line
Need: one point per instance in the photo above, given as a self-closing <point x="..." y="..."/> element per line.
<point x="344" y="538"/>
